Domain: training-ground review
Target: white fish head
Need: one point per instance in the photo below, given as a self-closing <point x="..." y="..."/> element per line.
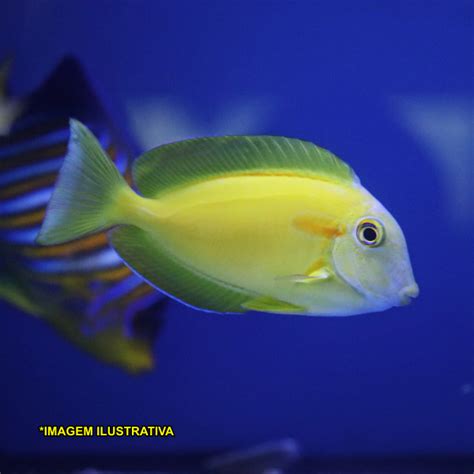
<point x="372" y="257"/>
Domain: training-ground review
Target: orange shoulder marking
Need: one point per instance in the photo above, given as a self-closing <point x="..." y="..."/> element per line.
<point x="316" y="226"/>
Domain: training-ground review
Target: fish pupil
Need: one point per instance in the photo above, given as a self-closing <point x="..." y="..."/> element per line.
<point x="370" y="234"/>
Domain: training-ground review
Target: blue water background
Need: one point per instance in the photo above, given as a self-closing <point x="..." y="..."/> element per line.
<point x="389" y="88"/>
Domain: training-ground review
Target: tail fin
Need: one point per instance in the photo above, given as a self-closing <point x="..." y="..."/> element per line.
<point x="84" y="195"/>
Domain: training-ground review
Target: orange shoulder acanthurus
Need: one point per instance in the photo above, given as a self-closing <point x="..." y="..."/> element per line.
<point x="230" y="224"/>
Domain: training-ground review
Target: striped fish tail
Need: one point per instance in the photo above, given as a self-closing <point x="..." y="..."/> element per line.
<point x="81" y="287"/>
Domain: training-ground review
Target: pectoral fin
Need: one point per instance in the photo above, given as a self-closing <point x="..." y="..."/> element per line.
<point x="268" y="304"/>
<point x="318" y="275"/>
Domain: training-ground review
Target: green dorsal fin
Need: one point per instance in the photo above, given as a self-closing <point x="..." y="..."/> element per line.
<point x="146" y="256"/>
<point x="180" y="163"/>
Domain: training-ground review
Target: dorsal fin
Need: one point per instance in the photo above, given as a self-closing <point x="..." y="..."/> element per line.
<point x="176" y="164"/>
<point x="67" y="91"/>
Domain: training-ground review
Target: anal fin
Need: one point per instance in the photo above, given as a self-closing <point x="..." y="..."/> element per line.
<point x="16" y="294"/>
<point x="144" y="253"/>
<point x="268" y="304"/>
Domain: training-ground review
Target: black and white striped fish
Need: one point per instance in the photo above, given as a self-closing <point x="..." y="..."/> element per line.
<point x="82" y="288"/>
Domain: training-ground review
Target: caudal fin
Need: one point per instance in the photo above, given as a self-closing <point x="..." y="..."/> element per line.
<point x="85" y="193"/>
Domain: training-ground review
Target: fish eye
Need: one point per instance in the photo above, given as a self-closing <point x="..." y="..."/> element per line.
<point x="370" y="232"/>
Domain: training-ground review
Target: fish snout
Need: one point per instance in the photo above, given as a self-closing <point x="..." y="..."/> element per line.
<point x="407" y="293"/>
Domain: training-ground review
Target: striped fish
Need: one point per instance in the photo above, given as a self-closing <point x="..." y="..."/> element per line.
<point x="82" y="288"/>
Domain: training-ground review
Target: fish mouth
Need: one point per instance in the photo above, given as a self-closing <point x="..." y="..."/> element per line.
<point x="407" y="293"/>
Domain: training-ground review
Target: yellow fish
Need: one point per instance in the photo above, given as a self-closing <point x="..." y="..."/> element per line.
<point x="230" y="224"/>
